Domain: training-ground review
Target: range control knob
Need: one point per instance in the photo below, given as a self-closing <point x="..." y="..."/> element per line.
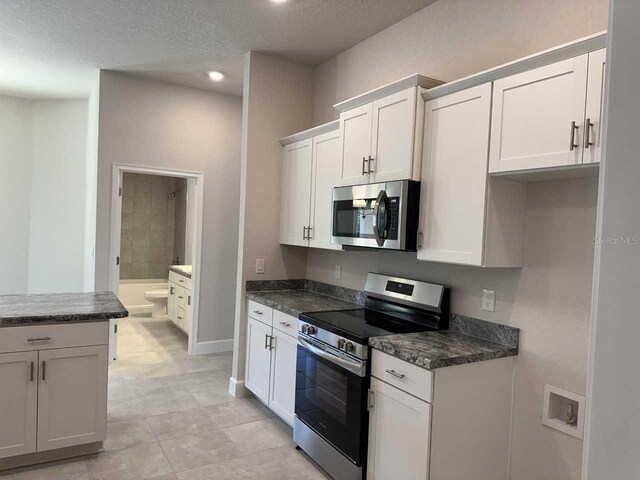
<point x="349" y="347"/>
<point x="308" y="329"/>
<point x="341" y="343"/>
<point x="312" y="330"/>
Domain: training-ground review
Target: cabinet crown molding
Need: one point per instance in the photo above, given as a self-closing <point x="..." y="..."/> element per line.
<point x="312" y="132"/>
<point x="565" y="51"/>
<point x="414" y="80"/>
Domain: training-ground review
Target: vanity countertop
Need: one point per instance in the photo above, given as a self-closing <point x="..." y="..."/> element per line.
<point x="445" y="348"/>
<point x="295" y="302"/>
<point x="184" y="270"/>
<point x="37" y="309"/>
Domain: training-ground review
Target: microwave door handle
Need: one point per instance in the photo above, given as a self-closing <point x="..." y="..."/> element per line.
<point x="379" y="230"/>
<point x="353" y="367"/>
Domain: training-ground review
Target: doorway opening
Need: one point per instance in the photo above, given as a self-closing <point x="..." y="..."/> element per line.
<point x="155" y="255"/>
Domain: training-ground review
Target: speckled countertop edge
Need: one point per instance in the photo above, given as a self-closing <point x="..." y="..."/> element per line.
<point x="179" y="272"/>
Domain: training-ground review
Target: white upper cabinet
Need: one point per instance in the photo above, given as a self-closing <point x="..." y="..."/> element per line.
<point x="296" y="193"/>
<point x="355" y="130"/>
<point x="538" y="117"/>
<point x="464" y="218"/>
<point x="327" y="168"/>
<point x="595" y="103"/>
<point x="393" y="136"/>
<point x="454" y="179"/>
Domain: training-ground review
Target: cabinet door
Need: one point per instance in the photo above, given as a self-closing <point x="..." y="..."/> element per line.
<point x="188" y="321"/>
<point x="18" y="403"/>
<point x="327" y="165"/>
<point x="296" y="192"/>
<point x="258" y="362"/>
<point x="283" y="376"/>
<point x="534" y="114"/>
<point x="393" y="136"/>
<point x="355" y="132"/>
<point x="72" y="397"/>
<point x="595" y="104"/>
<point x="454" y="177"/>
<point x="171" y="302"/>
<point x="399" y="435"/>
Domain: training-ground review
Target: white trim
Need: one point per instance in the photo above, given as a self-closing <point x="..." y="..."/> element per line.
<point x="114" y="247"/>
<point x="415" y="80"/>
<point x="556" y="54"/>
<point x="312" y="132"/>
<point x="213" y="346"/>
<point x="237" y="388"/>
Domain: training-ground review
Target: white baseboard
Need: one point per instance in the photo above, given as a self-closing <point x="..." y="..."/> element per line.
<point x="237" y="388"/>
<point x="215" y="346"/>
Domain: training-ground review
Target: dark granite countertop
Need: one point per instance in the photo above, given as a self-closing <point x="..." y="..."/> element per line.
<point x="446" y="348"/>
<point x="294" y="302"/>
<point x="179" y="271"/>
<point x="34" y="309"/>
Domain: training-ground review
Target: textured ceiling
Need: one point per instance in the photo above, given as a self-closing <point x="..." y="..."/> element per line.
<point x="53" y="47"/>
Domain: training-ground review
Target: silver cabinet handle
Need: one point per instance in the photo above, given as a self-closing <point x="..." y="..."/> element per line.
<point x="44" y="370"/>
<point x="189" y="300"/>
<point x="309" y="232"/>
<point x="257" y="312"/>
<point x="364" y="172"/>
<point x="172" y="290"/>
<point x="180" y="296"/>
<point x="369" y="170"/>
<point x="266" y="341"/>
<point x="587" y="133"/>
<point x="38" y="339"/>
<point x="181" y="281"/>
<point x="395" y="374"/>
<point x="271" y="339"/>
<point x="179" y="318"/>
<point x="33" y="366"/>
<point x="572" y="142"/>
<point x="285" y="324"/>
<point x="304" y="232"/>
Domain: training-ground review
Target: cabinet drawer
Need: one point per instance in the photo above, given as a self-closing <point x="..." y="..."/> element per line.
<point x="285" y="323"/>
<point x="180" y="280"/>
<point x="181" y="300"/>
<point x="412" y="379"/>
<point x="27" y="338"/>
<point x="260" y="312"/>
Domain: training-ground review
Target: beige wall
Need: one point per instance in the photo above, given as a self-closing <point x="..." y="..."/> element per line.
<point x="150" y="123"/>
<point x="451" y="39"/>
<point x="277" y="102"/>
<point x="549" y="299"/>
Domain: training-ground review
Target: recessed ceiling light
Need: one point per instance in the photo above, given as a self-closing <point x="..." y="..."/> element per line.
<point x="216" y="76"/>
<point x="278" y="1"/>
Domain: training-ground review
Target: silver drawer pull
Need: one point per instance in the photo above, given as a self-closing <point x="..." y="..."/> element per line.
<point x="180" y="296"/>
<point x="38" y="339"/>
<point x="179" y="318"/>
<point x="395" y="374"/>
<point x="285" y="324"/>
<point x="258" y="312"/>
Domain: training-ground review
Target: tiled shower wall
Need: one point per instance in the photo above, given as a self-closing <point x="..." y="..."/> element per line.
<point x="149" y="225"/>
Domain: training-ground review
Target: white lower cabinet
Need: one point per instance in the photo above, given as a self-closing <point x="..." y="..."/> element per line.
<point x="179" y="302"/>
<point x="447" y="424"/>
<point x="18" y="403"/>
<point x="282" y="390"/>
<point x="399" y="434"/>
<point x="54" y="393"/>
<point x="72" y="397"/>
<point x="270" y="371"/>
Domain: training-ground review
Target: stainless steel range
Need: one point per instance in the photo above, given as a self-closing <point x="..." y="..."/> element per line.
<point x="332" y="370"/>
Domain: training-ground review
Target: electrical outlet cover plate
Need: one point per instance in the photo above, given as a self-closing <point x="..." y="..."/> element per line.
<point x="260" y="265"/>
<point x="488" y="300"/>
<point x="338" y="273"/>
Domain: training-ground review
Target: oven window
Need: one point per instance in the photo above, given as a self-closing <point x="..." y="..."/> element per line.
<point x="354" y="218"/>
<point x="331" y="401"/>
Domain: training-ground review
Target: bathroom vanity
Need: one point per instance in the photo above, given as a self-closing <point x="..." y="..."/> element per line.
<point x="180" y="299"/>
<point x="53" y="369"/>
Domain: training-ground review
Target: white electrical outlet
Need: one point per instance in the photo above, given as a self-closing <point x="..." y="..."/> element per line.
<point x="488" y="300"/>
<point x="338" y="271"/>
<point x="260" y="265"/>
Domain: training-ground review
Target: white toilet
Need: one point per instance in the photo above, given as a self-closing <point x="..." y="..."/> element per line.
<point x="159" y="300"/>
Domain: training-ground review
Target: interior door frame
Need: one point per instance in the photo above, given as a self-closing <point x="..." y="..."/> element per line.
<point x="194" y="178"/>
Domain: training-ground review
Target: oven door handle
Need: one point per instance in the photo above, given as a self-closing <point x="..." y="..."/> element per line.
<point x="353" y="367"/>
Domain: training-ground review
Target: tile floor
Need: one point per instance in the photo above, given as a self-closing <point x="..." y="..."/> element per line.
<point x="170" y="417"/>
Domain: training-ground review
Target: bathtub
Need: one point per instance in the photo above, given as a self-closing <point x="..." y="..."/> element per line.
<point x="132" y="293"/>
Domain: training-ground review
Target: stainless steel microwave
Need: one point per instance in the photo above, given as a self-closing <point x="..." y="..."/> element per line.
<point x="377" y="215"/>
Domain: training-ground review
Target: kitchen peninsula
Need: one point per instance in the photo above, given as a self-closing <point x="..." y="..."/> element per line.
<point x="53" y="365"/>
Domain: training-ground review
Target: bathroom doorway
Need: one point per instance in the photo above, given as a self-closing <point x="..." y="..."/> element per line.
<point x="155" y="252"/>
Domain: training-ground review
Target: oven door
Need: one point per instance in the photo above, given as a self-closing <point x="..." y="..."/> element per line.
<point x="331" y="394"/>
<point x="369" y="215"/>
